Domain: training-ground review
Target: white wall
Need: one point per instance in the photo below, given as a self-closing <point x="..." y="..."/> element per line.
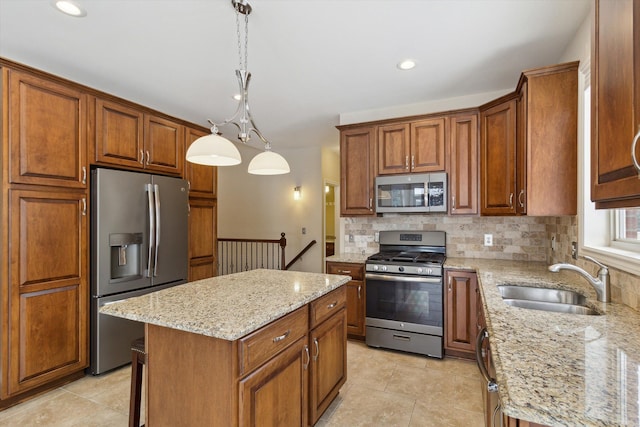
<point x="251" y="206"/>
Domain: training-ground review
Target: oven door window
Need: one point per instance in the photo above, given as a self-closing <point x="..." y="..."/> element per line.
<point x="418" y="302"/>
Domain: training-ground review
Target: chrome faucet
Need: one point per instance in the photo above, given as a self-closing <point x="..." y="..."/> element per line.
<point x="601" y="283"/>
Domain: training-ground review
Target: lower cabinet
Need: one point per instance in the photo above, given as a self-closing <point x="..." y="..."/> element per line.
<point x="284" y="374"/>
<point x="461" y="288"/>
<point x="356" y="300"/>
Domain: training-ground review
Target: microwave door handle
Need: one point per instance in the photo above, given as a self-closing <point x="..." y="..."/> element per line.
<point x="156" y="191"/>
<point x="152" y="227"/>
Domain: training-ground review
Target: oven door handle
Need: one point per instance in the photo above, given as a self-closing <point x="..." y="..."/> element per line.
<point x="390" y="277"/>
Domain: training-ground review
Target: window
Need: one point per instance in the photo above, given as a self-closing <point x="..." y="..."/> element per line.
<point x="611" y="236"/>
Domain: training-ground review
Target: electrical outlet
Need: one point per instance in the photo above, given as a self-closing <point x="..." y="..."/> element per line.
<point x="350" y="238"/>
<point x="574" y="250"/>
<point x="376" y="236"/>
<point x="304" y="230"/>
<point x="553" y="243"/>
<point x="488" y="239"/>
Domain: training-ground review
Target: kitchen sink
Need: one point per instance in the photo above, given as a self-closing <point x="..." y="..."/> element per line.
<point x="546" y="299"/>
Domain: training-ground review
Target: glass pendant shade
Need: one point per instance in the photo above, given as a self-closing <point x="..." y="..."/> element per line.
<point x="268" y="163"/>
<point x="213" y="150"/>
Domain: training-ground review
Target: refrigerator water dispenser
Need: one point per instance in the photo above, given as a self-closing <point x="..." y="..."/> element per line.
<point x="125" y="256"/>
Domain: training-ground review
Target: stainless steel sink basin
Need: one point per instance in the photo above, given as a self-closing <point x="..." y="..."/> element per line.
<point x="546" y="299"/>
<point x="542" y="294"/>
<point x="551" y="306"/>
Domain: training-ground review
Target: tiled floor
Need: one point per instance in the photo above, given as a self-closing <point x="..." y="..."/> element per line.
<point x="385" y="388"/>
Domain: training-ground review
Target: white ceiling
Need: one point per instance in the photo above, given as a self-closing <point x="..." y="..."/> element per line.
<point x="310" y="60"/>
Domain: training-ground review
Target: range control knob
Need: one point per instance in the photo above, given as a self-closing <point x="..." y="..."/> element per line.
<point x="401" y="269"/>
<point x="429" y="271"/>
<point x="384" y="268"/>
<point x="419" y="270"/>
<point x="375" y="268"/>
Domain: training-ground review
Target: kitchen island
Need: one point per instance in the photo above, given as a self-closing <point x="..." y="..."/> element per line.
<point x="559" y="369"/>
<point x="263" y="345"/>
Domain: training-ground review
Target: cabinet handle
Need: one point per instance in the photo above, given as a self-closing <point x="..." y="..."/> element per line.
<point x="633" y="151"/>
<point x="148" y="157"/>
<point x="189" y="185"/>
<point x="359" y="289"/>
<point x="406" y="162"/>
<point x="281" y="337"/>
<point x="413" y="162"/>
<point x="141" y="161"/>
<point x="521" y="198"/>
<point x="333" y="304"/>
<point x="344" y="271"/>
<point x="315" y="357"/>
<point x="306" y="350"/>
<point x="511" y="201"/>
<point x="84" y="174"/>
<point x="453" y="203"/>
<point x="370" y="204"/>
<point x="84" y="206"/>
<point x="449" y="283"/>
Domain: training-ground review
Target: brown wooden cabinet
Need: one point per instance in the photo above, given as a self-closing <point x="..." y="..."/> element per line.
<point x="202" y="238"/>
<point x="357" y="171"/>
<point x="547" y="141"/>
<point x="46" y="126"/>
<point x="356" y="297"/>
<point x="461" y="313"/>
<point x="615" y="104"/>
<point x="463" y="164"/>
<point x="45" y="298"/>
<point x="127" y="136"/>
<point x="412" y="147"/>
<point x="328" y="368"/>
<point x="498" y="157"/>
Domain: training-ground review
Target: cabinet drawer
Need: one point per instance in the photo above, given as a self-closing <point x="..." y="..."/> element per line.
<point x="353" y="270"/>
<point x="260" y="346"/>
<point x="326" y="306"/>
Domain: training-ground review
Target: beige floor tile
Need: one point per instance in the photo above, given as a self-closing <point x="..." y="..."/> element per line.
<point x="443" y="414"/>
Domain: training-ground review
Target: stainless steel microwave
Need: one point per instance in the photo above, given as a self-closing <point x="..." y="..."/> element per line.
<point x="412" y="193"/>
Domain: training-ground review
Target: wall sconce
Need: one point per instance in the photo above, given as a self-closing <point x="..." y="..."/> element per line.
<point x="297" y="194"/>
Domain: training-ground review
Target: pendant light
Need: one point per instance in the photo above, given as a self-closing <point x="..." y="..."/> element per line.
<point x="215" y="150"/>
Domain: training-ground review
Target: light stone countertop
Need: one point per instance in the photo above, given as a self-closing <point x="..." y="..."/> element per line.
<point x="228" y="307"/>
<point x="559" y="369"/>
<point x="348" y="258"/>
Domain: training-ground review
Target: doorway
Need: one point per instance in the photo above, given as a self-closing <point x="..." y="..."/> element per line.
<point x="331" y="219"/>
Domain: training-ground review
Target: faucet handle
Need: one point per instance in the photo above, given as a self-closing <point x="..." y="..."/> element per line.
<point x="593" y="260"/>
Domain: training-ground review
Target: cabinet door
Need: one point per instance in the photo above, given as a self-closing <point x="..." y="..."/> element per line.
<point x="521" y="150"/>
<point x="463" y="164"/>
<point x="355" y="308"/>
<point x="276" y="394"/>
<point x="357" y="172"/>
<point x="48" y="288"/>
<point x="615" y="103"/>
<point x="460" y="331"/>
<point x="202" y="238"/>
<point x="202" y="179"/>
<point x="498" y="159"/>
<point x="394" y="151"/>
<point x="328" y="363"/>
<point x="119" y="134"/>
<point x="164" y="145"/>
<point x="47" y="132"/>
<point x="428" y="145"/>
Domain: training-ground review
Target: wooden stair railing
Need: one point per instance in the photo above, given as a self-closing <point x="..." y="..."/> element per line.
<point x="302" y="252"/>
<point x="235" y="255"/>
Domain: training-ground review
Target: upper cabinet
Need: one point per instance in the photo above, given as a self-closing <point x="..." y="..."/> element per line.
<point x="357" y="171"/>
<point x="46" y="128"/>
<point x="529" y="146"/>
<point x="615" y="104"/>
<point x="498" y="158"/>
<point x="126" y="136"/>
<point x="202" y="179"/>
<point x="463" y="164"/>
<point x="412" y="147"/>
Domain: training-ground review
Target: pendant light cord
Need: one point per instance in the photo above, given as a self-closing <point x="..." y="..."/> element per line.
<point x="243" y="66"/>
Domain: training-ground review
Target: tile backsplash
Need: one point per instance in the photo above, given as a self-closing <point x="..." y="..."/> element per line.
<point x="514" y="238"/>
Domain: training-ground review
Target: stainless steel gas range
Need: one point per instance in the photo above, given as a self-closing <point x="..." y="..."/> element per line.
<point x="404" y="281"/>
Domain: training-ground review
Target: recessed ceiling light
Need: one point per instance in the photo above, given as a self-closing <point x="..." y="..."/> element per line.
<point x="407" y="64"/>
<point x="70" y="7"/>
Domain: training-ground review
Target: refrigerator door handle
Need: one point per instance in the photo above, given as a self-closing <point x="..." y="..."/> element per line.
<point x="152" y="227"/>
<point x="156" y="191"/>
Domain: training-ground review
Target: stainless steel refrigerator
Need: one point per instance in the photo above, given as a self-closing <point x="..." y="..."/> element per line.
<point x="139" y="226"/>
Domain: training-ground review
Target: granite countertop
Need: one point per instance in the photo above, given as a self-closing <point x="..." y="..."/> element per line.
<point x="227" y="307"/>
<point x="349" y="258"/>
<point x="560" y="369"/>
